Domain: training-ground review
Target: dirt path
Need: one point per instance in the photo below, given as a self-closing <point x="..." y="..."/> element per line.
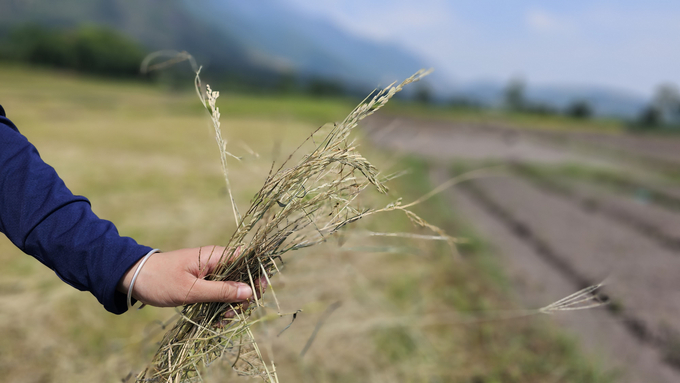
<point x="553" y="243"/>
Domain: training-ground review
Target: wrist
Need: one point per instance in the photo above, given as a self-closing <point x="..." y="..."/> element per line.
<point x="127" y="282"/>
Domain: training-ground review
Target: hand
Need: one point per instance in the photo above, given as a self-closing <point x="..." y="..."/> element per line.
<point x="175" y="278"/>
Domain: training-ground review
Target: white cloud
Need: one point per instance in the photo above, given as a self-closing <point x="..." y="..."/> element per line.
<point x="542" y="21"/>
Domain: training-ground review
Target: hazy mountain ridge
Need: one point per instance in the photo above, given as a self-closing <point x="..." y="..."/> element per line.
<point x="156" y="24"/>
<point x="259" y="41"/>
<point x="264" y="37"/>
<point x="309" y="46"/>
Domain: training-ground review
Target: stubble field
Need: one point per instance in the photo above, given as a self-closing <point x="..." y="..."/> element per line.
<point x="373" y="309"/>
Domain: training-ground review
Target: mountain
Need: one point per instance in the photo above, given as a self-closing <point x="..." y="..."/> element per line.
<point x="275" y="32"/>
<point x="260" y="40"/>
<point x="156" y="24"/>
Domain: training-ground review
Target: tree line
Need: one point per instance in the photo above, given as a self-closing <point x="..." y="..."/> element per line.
<point x="89" y="49"/>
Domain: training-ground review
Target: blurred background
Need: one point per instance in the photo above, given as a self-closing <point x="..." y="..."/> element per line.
<point x="573" y="106"/>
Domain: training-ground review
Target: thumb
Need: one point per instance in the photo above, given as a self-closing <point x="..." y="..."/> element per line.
<point x="215" y="291"/>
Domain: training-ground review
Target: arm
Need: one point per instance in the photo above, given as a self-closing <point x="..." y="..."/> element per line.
<point x="43" y="218"/>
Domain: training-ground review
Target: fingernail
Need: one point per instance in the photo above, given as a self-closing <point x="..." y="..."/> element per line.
<point x="244" y="292"/>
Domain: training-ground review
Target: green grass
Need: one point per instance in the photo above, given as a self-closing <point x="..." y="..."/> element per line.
<point x="297" y="107"/>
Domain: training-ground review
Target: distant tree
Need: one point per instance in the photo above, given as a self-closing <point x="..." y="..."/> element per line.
<point x="88" y="49"/>
<point x="423" y="94"/>
<point x="539" y="108"/>
<point x="319" y="86"/>
<point x="287" y="83"/>
<point x="39" y="45"/>
<point x="663" y="111"/>
<point x="105" y="51"/>
<point x="649" y="118"/>
<point x="464" y="102"/>
<point x="666" y="100"/>
<point x="579" y="109"/>
<point x="514" y="97"/>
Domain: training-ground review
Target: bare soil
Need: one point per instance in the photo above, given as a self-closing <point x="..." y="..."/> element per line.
<point x="553" y="242"/>
<point x="656" y="147"/>
<point x="443" y="140"/>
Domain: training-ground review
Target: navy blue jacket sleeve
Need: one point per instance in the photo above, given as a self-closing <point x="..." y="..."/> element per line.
<point x="43" y="218"/>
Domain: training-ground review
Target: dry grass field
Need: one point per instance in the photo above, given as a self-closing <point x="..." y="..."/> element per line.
<point x="376" y="309"/>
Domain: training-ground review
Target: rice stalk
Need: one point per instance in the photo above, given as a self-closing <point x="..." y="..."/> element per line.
<point x="297" y="207"/>
<point x="583" y="299"/>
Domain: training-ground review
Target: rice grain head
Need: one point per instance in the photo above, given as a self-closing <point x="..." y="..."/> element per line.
<point x="297" y="207"/>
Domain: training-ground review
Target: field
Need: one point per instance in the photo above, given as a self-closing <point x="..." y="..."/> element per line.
<point x="373" y="309"/>
<point x="574" y="208"/>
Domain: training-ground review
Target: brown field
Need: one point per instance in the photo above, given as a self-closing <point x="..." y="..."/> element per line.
<point x="557" y="230"/>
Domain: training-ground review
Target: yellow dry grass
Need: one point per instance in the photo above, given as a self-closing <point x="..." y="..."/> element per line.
<point x="146" y="160"/>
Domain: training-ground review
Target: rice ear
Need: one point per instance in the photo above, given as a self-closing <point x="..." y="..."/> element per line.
<point x="297" y="207"/>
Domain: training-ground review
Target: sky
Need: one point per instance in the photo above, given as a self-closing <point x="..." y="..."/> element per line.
<point x="628" y="45"/>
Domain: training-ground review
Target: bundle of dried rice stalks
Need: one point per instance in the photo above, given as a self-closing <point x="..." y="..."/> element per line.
<point x="297" y="207"/>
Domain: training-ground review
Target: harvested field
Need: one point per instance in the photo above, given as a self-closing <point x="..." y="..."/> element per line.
<point x="471" y="142"/>
<point x="653" y="147"/>
<point x="375" y="309"/>
<point x="558" y="234"/>
<point x="636" y="209"/>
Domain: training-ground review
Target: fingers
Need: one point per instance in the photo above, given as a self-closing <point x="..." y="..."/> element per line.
<point x="241" y="307"/>
<point x="214" y="291"/>
<point x="178" y="277"/>
<point x="261" y="286"/>
<point x="238" y="309"/>
<point x="211" y="255"/>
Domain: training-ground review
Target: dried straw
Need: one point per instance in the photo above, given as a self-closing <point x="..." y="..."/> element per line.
<point x="297" y="207"/>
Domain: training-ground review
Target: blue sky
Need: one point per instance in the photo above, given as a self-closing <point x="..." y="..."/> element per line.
<point x="625" y="44"/>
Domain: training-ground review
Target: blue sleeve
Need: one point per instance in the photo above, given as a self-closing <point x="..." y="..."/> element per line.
<point x="44" y="219"/>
